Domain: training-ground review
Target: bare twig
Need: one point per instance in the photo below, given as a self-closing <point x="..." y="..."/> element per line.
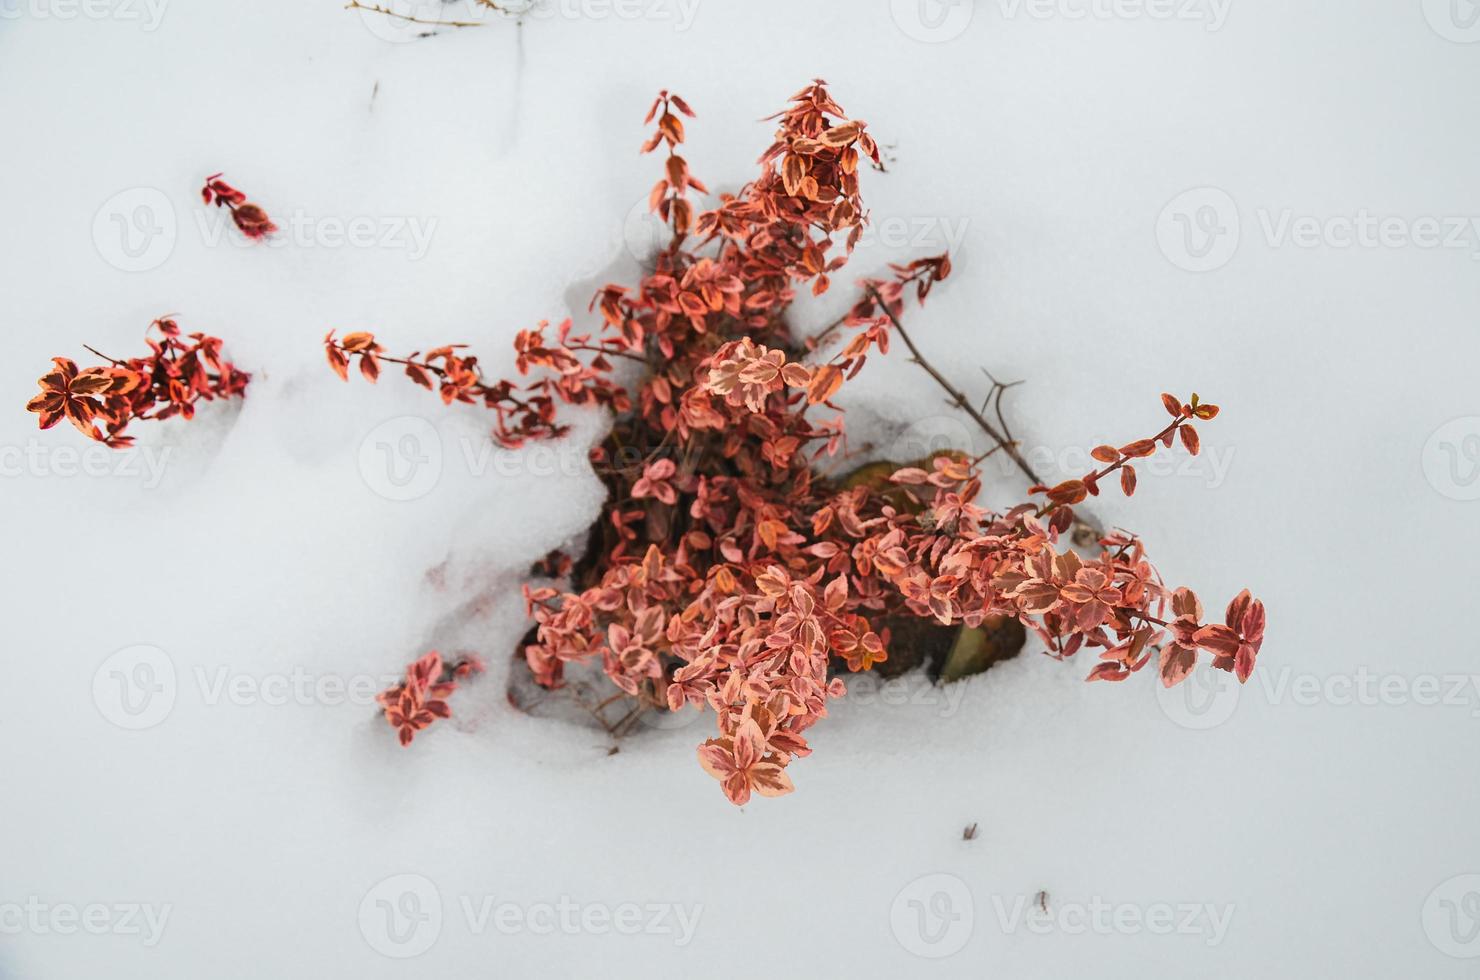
<point x="813" y="343"/>
<point x="378" y="9"/>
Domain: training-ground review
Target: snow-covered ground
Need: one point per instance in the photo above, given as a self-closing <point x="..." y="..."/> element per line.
<point x="1267" y="202"/>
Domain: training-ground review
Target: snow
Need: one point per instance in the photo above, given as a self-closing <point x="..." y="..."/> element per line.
<point x="1321" y="820"/>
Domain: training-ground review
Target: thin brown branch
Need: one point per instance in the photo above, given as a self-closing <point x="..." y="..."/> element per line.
<point x="378" y="9"/>
<point x="105" y="357"/>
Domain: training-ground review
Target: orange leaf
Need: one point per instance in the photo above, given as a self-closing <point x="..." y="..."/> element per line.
<point x="792" y="172"/>
<point x="338" y="362"/>
<point x="825" y="383"/>
<point x="1068" y="492"/>
<point x="1141" y="447"/>
<point x="796" y="375"/>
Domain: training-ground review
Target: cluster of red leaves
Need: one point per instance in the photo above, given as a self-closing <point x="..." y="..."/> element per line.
<point x="249" y="217"/>
<point x="177" y="373"/>
<point x="421" y="698"/>
<point x="726" y="571"/>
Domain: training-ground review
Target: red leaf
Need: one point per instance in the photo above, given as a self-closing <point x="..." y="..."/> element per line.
<point x="1108" y="671"/>
<point x="338" y="362"/>
<point x="1139" y="448"/>
<point x="1176" y="663"/>
<point x="1068" y="492"/>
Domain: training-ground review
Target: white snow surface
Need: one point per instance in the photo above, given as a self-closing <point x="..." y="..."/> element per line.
<point x="1322" y="821"/>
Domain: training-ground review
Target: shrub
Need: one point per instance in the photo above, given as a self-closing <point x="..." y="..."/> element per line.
<point x="727" y="570"/>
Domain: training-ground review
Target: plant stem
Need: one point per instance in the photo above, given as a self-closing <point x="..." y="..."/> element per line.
<point x="376" y="8"/>
<point x="105" y="357"/>
<point x="960" y="399"/>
